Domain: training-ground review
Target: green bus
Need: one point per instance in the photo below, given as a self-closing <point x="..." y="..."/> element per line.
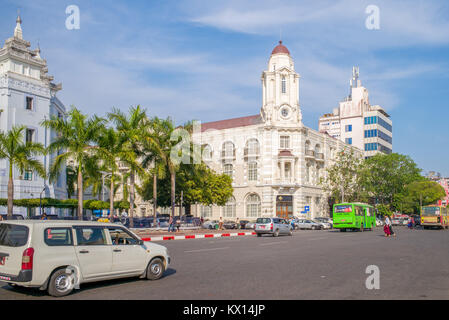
<point x="353" y="216"/>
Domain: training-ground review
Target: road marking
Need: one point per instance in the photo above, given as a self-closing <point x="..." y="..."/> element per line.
<point x="202" y="250"/>
<point x="270" y="243"/>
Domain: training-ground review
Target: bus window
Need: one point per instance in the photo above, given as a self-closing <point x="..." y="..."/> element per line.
<point x="343" y="209"/>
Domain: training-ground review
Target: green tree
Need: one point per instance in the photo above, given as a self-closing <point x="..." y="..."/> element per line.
<point x="77" y="139"/>
<point x="420" y="193"/>
<point x="384" y="176"/>
<point x="341" y="179"/>
<point x="20" y="154"/>
<point x="131" y="129"/>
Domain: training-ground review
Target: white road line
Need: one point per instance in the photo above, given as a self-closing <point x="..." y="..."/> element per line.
<point x="270" y="243"/>
<point x="202" y="250"/>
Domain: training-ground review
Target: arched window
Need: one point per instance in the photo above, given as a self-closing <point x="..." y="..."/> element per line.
<point x="284" y="85"/>
<point x="229" y="208"/>
<point x="252" y="147"/>
<point x="253" y="206"/>
<point x="307" y="146"/>
<point x="317" y="148"/>
<point x="207" y="152"/>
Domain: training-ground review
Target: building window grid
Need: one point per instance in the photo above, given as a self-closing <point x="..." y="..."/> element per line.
<point x="253" y="206"/>
<point x="348" y="140"/>
<point x="284" y="142"/>
<point x="348" y="128"/>
<point x="284" y="85"/>
<point x="252" y="171"/>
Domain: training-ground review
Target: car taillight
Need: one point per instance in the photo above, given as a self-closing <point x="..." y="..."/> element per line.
<point x="27" y="259"/>
<point x="271" y="227"/>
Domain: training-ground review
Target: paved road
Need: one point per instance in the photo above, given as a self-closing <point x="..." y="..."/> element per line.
<point x="307" y="265"/>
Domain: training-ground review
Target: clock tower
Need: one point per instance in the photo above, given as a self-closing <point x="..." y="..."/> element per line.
<point x="280" y="90"/>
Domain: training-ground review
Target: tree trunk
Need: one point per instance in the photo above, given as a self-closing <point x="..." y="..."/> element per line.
<point x="111" y="197"/>
<point x="10" y="192"/>
<point x="80" y="193"/>
<point x="131" y="200"/>
<point x="155" y="200"/>
<point x="172" y="180"/>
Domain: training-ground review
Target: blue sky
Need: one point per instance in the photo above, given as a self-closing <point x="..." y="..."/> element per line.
<point x="203" y="59"/>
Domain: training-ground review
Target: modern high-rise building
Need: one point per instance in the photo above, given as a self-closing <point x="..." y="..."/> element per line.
<point x="358" y="123"/>
<point x="28" y="96"/>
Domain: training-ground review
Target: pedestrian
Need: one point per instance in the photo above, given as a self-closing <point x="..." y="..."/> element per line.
<point x="387" y="227"/>
<point x="170" y="224"/>
<point x="1" y="217"/>
<point x="238" y="223"/>
<point x="220" y="224"/>
<point x="202" y="221"/>
<point x="178" y="225"/>
<point x="411" y="223"/>
<point x="44" y="216"/>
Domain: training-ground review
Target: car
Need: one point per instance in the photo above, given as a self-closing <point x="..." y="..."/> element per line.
<point x="273" y="226"/>
<point x="230" y="225"/>
<point x="324" y="224"/>
<point x="211" y="224"/>
<point x="379" y="222"/>
<point x="243" y="223"/>
<point x="307" y="224"/>
<point x="14" y="217"/>
<point x="250" y="225"/>
<point x="58" y="256"/>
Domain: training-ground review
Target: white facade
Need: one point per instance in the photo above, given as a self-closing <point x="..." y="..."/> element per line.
<point x="356" y="122"/>
<point x="28" y="96"/>
<point x="275" y="161"/>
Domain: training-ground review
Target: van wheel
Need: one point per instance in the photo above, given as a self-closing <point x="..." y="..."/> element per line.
<point x="259" y="234"/>
<point x="60" y="283"/>
<point x="276" y="233"/>
<point x="155" y="269"/>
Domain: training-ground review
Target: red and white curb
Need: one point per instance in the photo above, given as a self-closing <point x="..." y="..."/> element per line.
<point x="199" y="236"/>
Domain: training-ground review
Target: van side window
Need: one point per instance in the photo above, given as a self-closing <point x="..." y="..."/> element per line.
<point x="58" y="236"/>
<point x="119" y="236"/>
<point x="90" y="236"/>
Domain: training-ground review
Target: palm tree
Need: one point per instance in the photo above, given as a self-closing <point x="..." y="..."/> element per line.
<point x="77" y="138"/>
<point x="159" y="138"/>
<point x="154" y="138"/>
<point x="19" y="154"/>
<point x="130" y="129"/>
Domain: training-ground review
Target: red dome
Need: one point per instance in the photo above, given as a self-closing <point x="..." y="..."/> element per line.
<point x="280" y="48"/>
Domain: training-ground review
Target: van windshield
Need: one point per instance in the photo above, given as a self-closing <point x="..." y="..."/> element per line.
<point x="12" y="235"/>
<point x="263" y="220"/>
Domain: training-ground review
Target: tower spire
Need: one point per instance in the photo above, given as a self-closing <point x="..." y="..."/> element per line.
<point x="18" y="28"/>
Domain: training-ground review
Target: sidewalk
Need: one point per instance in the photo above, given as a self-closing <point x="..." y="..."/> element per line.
<point x="159" y="235"/>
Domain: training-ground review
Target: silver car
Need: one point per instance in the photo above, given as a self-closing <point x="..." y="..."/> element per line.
<point x="308" y="224"/>
<point x="273" y="226"/>
<point x="324" y="224"/>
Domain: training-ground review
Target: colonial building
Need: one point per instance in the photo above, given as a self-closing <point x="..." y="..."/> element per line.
<point x="274" y="160"/>
<point x="28" y="96"/>
<point x="358" y="123"/>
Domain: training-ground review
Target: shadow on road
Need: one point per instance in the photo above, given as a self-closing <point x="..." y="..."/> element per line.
<point x="26" y="292"/>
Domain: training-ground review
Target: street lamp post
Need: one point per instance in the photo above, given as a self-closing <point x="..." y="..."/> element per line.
<point x="40" y="201"/>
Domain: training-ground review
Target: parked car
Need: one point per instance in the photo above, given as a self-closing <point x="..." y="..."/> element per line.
<point x="243" y="224"/>
<point x="211" y="224"/>
<point x="57" y="256"/>
<point x="250" y="225"/>
<point x="273" y="226"/>
<point x="14" y="217"/>
<point x="324" y="224"/>
<point x="308" y="224"/>
<point x="229" y="225"/>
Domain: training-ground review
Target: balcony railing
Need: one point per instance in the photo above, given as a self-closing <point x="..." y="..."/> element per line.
<point x="251" y="153"/>
<point x="310" y="154"/>
<point x="319" y="156"/>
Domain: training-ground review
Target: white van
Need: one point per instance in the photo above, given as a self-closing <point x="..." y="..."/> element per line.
<point x="59" y="255"/>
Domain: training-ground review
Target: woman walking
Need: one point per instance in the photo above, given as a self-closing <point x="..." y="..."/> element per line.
<point x="387" y="227"/>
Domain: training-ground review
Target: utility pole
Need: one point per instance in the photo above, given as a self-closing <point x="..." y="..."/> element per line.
<point x="182" y="193"/>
